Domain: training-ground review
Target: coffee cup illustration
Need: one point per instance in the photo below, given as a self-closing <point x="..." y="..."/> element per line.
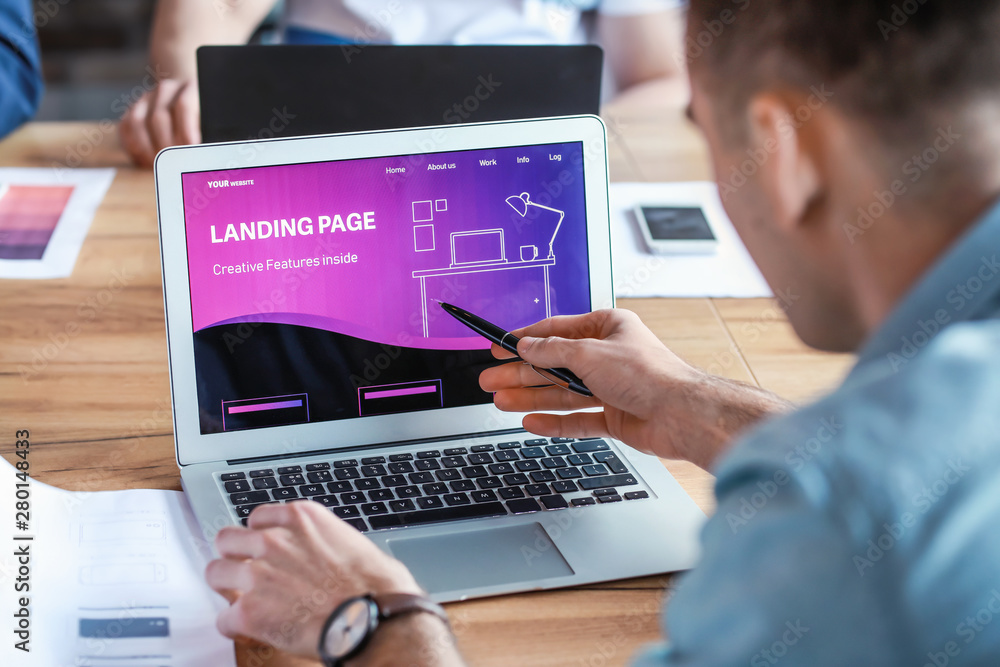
<point x="529" y="253"/>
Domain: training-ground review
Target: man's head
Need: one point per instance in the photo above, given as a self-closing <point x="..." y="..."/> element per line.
<point x="852" y="140"/>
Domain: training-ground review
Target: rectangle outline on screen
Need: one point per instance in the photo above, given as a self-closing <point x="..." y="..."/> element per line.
<point x="305" y="400"/>
<point x="366" y="389"/>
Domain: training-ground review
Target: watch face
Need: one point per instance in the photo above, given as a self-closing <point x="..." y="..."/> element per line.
<point x="349" y="628"/>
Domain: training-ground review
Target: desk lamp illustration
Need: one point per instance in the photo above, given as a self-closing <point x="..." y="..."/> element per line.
<point x="521" y="202"/>
<point x="480" y="251"/>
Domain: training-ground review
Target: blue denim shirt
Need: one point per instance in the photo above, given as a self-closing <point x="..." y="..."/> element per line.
<point x="864" y="529"/>
<point x="20" y="69"/>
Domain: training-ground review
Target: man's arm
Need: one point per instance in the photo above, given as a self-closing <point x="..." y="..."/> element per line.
<point x="416" y="640"/>
<point x="646" y="57"/>
<point x="295" y="564"/>
<point x="777" y="583"/>
<point x="20" y="71"/>
<point x="650" y="398"/>
<point x="168" y="113"/>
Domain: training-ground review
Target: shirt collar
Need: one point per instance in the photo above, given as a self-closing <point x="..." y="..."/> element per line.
<point x="963" y="284"/>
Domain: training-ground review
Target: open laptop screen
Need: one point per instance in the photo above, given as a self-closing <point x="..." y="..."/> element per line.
<point x="314" y="286"/>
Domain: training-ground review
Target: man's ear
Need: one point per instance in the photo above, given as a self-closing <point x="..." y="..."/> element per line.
<point x="788" y="174"/>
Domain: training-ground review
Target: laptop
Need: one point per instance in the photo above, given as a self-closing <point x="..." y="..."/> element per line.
<point x="477" y="247"/>
<point x="265" y="91"/>
<point x="309" y="357"/>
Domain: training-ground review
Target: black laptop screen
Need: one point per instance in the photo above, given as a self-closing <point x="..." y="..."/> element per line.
<point x="314" y="286"/>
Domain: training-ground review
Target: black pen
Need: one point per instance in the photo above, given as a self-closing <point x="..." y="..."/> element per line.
<point x="508" y="341"/>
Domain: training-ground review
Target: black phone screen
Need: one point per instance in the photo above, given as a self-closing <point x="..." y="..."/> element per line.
<point x="677" y="223"/>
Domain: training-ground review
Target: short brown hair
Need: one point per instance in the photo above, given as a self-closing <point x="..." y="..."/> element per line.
<point x="894" y="63"/>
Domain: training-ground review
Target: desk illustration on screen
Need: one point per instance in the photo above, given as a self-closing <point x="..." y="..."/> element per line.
<point x="479" y="250"/>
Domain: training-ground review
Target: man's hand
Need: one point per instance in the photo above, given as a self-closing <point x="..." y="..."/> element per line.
<point x="167" y="115"/>
<point x="650" y="398"/>
<point x="293" y="566"/>
<point x="645" y="53"/>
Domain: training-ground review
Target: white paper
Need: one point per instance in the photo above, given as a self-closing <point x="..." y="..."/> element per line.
<point x="116" y="578"/>
<point x="89" y="188"/>
<point x="727" y="272"/>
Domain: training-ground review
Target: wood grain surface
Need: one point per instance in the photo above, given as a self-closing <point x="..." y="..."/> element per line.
<point x="83" y="365"/>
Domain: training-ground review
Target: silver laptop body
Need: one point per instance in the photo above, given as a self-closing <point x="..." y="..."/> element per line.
<point x="309" y="358"/>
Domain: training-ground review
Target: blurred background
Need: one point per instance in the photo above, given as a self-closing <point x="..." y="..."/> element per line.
<point x="94" y="52"/>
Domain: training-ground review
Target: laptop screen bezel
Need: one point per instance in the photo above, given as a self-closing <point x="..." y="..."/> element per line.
<point x="191" y="446"/>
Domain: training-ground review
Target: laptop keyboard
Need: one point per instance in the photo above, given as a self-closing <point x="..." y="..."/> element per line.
<point x="410" y="488"/>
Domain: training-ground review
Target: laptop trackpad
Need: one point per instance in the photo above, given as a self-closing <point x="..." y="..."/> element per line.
<point x="476" y="558"/>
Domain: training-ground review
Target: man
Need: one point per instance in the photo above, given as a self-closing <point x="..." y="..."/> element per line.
<point x="20" y="66"/>
<point x="859" y="530"/>
<point x="641" y="39"/>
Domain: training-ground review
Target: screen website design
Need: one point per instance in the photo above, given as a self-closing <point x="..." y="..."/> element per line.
<point x="314" y="286"/>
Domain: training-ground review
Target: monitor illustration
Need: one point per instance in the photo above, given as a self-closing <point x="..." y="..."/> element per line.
<point x="483" y="250"/>
<point x="483" y="246"/>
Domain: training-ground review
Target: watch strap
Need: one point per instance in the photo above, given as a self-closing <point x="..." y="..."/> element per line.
<point x="388" y="606"/>
<point x="397" y="604"/>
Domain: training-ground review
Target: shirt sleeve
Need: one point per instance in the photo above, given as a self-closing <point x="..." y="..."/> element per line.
<point x="20" y="68"/>
<point x="633" y="7"/>
<point x="777" y="582"/>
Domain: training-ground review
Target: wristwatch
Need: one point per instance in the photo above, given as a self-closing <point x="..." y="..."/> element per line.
<point x="351" y="625"/>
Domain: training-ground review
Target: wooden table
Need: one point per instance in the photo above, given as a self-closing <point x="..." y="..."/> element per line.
<point x="98" y="406"/>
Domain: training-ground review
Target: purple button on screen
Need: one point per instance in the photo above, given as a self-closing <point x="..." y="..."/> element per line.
<point x="409" y="391"/>
<point x="257" y="407"/>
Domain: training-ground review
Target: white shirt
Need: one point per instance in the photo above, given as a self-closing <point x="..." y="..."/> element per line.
<point x="459" y="21"/>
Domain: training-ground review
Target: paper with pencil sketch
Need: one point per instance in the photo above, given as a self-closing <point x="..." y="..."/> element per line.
<point x="44" y="218"/>
<point x="109" y="578"/>
<point x="727" y="272"/>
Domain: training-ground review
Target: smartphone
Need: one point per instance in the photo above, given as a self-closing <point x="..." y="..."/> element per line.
<point x="676" y="229"/>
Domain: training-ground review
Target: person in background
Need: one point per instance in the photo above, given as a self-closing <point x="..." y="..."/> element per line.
<point x="641" y="40"/>
<point x="20" y="65"/>
<point x="860" y="529"/>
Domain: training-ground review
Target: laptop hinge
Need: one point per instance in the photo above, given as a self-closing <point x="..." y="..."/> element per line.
<point x="381" y="445"/>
